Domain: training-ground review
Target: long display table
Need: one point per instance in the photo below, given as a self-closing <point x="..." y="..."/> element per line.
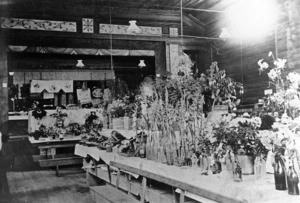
<point x="49" y="154"/>
<point x="212" y="187"/>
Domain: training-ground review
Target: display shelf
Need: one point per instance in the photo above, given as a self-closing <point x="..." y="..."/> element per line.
<point x="17" y="117"/>
<point x="210" y="188"/>
<point x="132" y="186"/>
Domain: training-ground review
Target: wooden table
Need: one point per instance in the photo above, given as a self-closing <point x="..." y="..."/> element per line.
<point x="48" y="151"/>
<point x="188" y="180"/>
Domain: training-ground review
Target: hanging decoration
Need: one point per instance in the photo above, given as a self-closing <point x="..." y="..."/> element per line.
<point x="82" y="51"/>
<point x="51" y="86"/>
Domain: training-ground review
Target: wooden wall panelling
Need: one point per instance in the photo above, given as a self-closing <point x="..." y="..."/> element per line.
<point x="3" y="87"/>
<point x="160" y="58"/>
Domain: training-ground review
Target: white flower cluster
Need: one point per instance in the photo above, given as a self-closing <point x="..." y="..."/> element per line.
<point x="254" y="121"/>
<point x="294" y="78"/>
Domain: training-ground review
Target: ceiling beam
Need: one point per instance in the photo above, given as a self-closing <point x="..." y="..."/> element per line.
<point x="193" y="22"/>
<point x="61" y="39"/>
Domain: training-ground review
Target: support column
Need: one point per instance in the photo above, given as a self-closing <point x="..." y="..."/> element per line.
<point x="293" y="34"/>
<point x="3" y="86"/>
<point x="160" y="58"/>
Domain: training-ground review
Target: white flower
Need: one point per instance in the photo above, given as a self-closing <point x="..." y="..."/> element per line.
<point x="295" y="103"/>
<point x="280" y="63"/>
<point x="263" y="65"/>
<point x="270" y="54"/>
<point x="266" y="137"/>
<point x="256" y="122"/>
<point x="294" y="78"/>
<point x="235" y="122"/>
<point x="273" y="74"/>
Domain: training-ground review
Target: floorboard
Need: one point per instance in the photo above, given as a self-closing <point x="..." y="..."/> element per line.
<point x="44" y="186"/>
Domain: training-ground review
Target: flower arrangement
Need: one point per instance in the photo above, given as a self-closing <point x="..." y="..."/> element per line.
<point x="286" y="99"/>
<point x="92" y="122"/>
<point x="38" y="113"/>
<point x="240" y="135"/>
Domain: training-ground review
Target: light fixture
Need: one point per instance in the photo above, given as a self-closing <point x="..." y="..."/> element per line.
<point x="224" y="34"/>
<point x="79" y="64"/>
<point x="133" y="28"/>
<point x="11" y="73"/>
<point x="142" y="64"/>
<point x="252" y="20"/>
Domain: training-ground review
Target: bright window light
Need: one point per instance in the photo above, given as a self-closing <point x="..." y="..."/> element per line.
<point x="252" y="19"/>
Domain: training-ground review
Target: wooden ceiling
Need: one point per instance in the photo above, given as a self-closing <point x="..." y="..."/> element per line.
<point x="199" y="17"/>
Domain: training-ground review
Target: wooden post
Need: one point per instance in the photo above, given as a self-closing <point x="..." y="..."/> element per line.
<point x="160" y="58"/>
<point x="181" y="196"/>
<point x="3" y="87"/>
<point x="57" y="171"/>
<point x="91" y="180"/>
<point x="128" y="184"/>
<point x="109" y="174"/>
<point x="143" y="190"/>
<point x="118" y="179"/>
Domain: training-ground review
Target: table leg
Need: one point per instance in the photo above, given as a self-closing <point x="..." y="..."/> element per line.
<point x="181" y="196"/>
<point x="57" y="170"/>
<point x="143" y="189"/>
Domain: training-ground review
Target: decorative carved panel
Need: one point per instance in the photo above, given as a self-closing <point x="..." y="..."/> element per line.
<point x="87" y="25"/>
<point x="31" y="24"/>
<point x="122" y="30"/>
<point x="173" y="32"/>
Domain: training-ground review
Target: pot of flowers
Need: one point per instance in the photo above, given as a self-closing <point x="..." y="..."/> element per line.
<point x="239" y="135"/>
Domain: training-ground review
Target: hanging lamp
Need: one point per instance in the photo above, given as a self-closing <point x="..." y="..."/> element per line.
<point x="133" y="28"/>
<point x="79" y="64"/>
<point x="142" y="64"/>
<point x="224" y="34"/>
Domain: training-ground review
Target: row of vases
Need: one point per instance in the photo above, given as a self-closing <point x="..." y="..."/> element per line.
<point x="285" y="179"/>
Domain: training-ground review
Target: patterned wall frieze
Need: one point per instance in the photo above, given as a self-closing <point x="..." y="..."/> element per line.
<point x="82" y="51"/>
<point x="32" y="24"/>
<point x="122" y="30"/>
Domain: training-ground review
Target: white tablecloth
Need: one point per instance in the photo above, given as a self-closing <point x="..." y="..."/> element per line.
<point x="250" y="190"/>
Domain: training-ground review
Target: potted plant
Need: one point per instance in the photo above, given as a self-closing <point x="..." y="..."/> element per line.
<point x="239" y="136"/>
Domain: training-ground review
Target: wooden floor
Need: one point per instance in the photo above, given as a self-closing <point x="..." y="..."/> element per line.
<point x="44" y="187"/>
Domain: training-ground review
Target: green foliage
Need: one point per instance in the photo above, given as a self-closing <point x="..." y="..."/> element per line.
<point x="241" y="140"/>
<point x="221" y="89"/>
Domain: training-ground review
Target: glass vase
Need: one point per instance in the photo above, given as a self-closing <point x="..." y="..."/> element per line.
<point x="279" y="173"/>
<point x="237" y="172"/>
<point x="292" y="181"/>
